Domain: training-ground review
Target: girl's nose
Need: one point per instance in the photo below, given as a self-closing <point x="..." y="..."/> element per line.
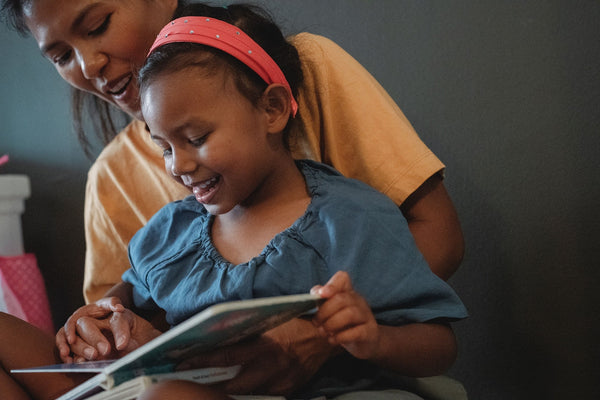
<point x="92" y="63"/>
<point x="181" y="163"/>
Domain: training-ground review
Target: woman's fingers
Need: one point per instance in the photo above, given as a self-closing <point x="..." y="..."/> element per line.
<point x="64" y="348"/>
<point x="91" y="341"/>
<point x="101" y="310"/>
<point x="121" y="324"/>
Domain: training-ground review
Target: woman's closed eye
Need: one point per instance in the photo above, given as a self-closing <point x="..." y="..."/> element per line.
<point x="100" y="29"/>
<point x="63" y="58"/>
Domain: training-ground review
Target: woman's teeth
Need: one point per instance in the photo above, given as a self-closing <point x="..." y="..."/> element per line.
<point x="120" y="86"/>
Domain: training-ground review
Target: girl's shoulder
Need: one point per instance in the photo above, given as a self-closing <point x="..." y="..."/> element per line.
<point x="328" y="186"/>
<point x="343" y="209"/>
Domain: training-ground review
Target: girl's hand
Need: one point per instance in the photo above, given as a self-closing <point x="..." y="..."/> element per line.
<point x="346" y="318"/>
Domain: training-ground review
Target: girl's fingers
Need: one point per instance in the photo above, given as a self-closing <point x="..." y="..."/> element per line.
<point x="335" y="305"/>
<point x="344" y="319"/>
<point x="315" y="289"/>
<point x="339" y="282"/>
<point x="352" y="335"/>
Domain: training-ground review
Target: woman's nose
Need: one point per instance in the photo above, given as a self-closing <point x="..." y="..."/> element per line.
<point x="92" y="63"/>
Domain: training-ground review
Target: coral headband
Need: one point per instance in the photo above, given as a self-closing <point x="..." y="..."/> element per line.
<point x="228" y="38"/>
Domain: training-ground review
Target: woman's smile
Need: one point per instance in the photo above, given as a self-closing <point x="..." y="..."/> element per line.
<point x="118" y="86"/>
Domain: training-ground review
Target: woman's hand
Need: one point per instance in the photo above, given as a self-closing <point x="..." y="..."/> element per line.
<point x="278" y="362"/>
<point x="102" y="330"/>
<point x="70" y="345"/>
<point x="345" y="318"/>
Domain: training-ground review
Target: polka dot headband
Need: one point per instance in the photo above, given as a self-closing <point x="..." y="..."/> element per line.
<point x="228" y="38"/>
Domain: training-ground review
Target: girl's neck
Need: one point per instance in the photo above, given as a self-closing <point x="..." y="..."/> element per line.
<point x="245" y="231"/>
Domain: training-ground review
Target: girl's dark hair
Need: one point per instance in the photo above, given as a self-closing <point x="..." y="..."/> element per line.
<point x="256" y="24"/>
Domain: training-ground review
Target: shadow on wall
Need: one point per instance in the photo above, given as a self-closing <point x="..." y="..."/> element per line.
<point x="523" y="281"/>
<point x="484" y="285"/>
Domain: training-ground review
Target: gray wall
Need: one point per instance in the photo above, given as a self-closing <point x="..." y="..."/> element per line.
<point x="506" y="93"/>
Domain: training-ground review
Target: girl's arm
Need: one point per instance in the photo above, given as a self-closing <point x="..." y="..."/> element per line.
<point x="417" y="349"/>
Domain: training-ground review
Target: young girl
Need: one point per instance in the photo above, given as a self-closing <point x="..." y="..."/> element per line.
<point x="260" y="223"/>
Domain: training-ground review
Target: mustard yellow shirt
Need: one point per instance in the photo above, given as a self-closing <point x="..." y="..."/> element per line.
<point x="347" y="119"/>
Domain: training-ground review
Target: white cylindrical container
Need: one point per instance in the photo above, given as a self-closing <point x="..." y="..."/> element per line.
<point x="14" y="189"/>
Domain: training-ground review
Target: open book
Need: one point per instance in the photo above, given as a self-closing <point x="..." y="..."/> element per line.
<point x="218" y="325"/>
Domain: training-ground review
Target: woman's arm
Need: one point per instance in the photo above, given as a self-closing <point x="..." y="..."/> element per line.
<point x="278" y="362"/>
<point x="433" y="222"/>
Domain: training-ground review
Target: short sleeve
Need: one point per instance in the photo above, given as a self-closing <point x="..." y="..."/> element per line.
<point x="351" y="123"/>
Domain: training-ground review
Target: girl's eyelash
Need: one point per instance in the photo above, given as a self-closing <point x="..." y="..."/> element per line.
<point x="199" y="141"/>
<point x="102" y="28"/>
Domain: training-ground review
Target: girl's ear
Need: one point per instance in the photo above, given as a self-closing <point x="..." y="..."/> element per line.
<point x="276" y="101"/>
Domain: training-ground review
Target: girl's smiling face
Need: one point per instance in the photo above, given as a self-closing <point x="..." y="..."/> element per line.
<point x="98" y="45"/>
<point x="214" y="140"/>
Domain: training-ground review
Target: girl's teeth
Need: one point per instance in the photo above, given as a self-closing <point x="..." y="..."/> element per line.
<point x="207" y="183"/>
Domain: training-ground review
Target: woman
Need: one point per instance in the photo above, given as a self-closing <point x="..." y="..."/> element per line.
<point x="95" y="51"/>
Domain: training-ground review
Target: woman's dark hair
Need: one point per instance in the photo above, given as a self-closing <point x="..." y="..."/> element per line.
<point x="86" y="108"/>
<point x="105" y="119"/>
<point x="254" y="22"/>
<point x="12" y="12"/>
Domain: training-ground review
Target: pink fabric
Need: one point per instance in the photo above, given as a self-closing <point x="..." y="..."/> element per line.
<point x="22" y="291"/>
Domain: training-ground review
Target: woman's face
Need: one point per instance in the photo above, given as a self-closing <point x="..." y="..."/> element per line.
<point x="98" y="45"/>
